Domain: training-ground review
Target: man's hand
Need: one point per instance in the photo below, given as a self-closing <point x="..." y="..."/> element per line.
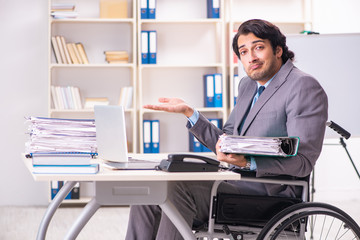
<point x="231" y="158"/>
<point x="174" y="105"/>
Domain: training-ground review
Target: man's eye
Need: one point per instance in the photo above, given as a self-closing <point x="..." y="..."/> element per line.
<point x="259" y="47"/>
<point x="242" y="52"/>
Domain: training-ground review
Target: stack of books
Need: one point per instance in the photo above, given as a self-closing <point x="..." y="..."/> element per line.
<point x="126" y="96"/>
<point x="66" y="97"/>
<point x="58" y="146"/>
<point x="116" y="56"/>
<point x="63" y="10"/>
<point x="68" y="53"/>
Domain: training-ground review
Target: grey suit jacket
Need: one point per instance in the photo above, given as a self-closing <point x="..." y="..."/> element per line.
<point x="293" y="104"/>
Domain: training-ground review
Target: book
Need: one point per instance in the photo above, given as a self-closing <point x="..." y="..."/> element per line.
<point x="56" y="50"/>
<point x="209" y="90"/>
<point x="67" y="97"/>
<point x="67" y="55"/>
<point x="61" y="49"/>
<point x="116" y="56"/>
<point x="260" y="146"/>
<point x="81" y="49"/>
<point x="71" y="50"/>
<point x="66" y="169"/>
<point x="113" y="9"/>
<point x="61" y="158"/>
<point x="91" y="102"/>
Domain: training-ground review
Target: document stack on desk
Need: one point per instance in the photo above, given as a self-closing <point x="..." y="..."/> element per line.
<point x="58" y="146"/>
<point x="262" y="146"/>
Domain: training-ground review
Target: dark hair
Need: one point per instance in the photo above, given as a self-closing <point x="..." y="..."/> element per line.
<point x="264" y="30"/>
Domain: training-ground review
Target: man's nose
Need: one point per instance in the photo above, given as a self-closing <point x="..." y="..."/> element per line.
<point x="253" y="56"/>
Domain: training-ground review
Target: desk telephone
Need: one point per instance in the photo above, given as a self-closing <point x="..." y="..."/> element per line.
<point x="188" y="163"/>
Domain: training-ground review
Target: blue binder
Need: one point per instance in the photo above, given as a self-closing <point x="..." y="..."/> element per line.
<point x="209" y="90"/>
<point x="147" y="136"/>
<point x="155" y="136"/>
<point x="213" y="8"/>
<point x="216" y="121"/>
<point x="218" y="95"/>
<point x="236" y="85"/>
<point x="194" y="144"/>
<point x="144" y="9"/>
<point x="152" y="47"/>
<point x="54" y="188"/>
<point x="151" y="9"/>
<point x="144" y="47"/>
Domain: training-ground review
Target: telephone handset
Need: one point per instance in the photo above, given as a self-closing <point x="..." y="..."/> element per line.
<point x="188" y="163"/>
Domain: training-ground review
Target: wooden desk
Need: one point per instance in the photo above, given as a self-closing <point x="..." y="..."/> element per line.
<point x="123" y="187"/>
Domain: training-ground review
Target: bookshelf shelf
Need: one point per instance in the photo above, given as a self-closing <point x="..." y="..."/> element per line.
<point x="92" y="65"/>
<point x="98" y="79"/>
<point x="181" y="65"/>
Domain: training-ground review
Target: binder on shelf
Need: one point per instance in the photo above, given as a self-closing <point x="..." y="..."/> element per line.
<point x="75" y="192"/>
<point x="155" y="136"/>
<point x="213" y="8"/>
<point x="54" y="185"/>
<point x="260" y="146"/>
<point x="218" y="95"/>
<point x="216" y="121"/>
<point x="194" y="144"/>
<point x="147" y="136"/>
<point x="144" y="9"/>
<point x="151" y="9"/>
<point x="144" y="47"/>
<point x="236" y="85"/>
<point x="209" y="90"/>
<point x="152" y="46"/>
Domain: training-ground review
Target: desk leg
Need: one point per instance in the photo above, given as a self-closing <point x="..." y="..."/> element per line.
<point x="88" y="211"/>
<point x="176" y="218"/>
<point x="53" y="206"/>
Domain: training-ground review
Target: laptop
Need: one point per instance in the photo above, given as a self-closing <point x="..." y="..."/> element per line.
<point x="112" y="142"/>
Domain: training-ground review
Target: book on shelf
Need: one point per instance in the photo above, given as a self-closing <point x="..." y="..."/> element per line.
<point x="126" y="96"/>
<point x="151" y="136"/>
<point x="66" y="169"/>
<point x="116" y="56"/>
<point x="213" y="8"/>
<point x="148" y="9"/>
<point x="91" y="102"/>
<point x="213" y="91"/>
<point x="68" y="52"/>
<point x="63" y="10"/>
<point x="260" y="146"/>
<point x="66" y="97"/>
<point x="113" y="9"/>
<point x="82" y="52"/>
<point x="148" y="47"/>
<point x="55" y="187"/>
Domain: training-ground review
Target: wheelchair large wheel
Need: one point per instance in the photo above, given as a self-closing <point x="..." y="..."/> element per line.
<point x="311" y="221"/>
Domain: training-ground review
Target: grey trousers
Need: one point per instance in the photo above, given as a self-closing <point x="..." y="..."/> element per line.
<point x="192" y="199"/>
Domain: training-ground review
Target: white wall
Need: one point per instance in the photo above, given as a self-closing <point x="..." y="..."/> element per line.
<point x="23" y="74"/>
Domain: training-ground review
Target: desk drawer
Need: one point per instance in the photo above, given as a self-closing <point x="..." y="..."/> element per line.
<point x="131" y="193"/>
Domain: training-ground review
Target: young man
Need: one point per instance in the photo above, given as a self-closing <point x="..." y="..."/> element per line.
<point x="292" y="104"/>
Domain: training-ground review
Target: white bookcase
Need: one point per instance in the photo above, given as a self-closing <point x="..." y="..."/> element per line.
<point x="189" y="45"/>
<point x="98" y="79"/>
<point x="291" y="16"/>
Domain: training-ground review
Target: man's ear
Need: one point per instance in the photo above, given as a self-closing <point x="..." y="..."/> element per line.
<point x="279" y="51"/>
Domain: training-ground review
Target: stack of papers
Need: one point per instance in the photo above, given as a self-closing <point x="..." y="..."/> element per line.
<point x="265" y="146"/>
<point x="61" y="135"/>
<point x="61" y="145"/>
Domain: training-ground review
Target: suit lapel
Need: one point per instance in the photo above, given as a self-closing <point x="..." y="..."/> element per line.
<point x="270" y="90"/>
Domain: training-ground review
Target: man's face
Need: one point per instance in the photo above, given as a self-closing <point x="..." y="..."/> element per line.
<point x="258" y="58"/>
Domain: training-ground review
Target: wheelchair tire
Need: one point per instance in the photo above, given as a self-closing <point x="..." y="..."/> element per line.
<point x="310" y="221"/>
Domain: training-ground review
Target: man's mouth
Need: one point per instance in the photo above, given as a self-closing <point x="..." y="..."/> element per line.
<point x="255" y="66"/>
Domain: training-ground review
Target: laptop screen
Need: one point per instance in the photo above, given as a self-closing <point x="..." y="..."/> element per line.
<point x="111" y="133"/>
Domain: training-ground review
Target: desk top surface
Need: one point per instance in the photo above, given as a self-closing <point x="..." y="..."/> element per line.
<point x="133" y="175"/>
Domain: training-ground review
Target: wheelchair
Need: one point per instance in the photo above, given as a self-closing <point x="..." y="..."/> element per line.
<point x="265" y="217"/>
